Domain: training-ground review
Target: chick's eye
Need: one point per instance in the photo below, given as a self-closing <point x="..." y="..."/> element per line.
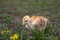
<point x="26" y="21"/>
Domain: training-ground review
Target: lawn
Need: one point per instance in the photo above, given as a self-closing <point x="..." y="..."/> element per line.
<point x="12" y="11"/>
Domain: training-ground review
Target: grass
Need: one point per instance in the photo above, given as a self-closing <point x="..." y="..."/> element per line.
<point x="38" y="35"/>
<point x="35" y="34"/>
<point x="9" y="9"/>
